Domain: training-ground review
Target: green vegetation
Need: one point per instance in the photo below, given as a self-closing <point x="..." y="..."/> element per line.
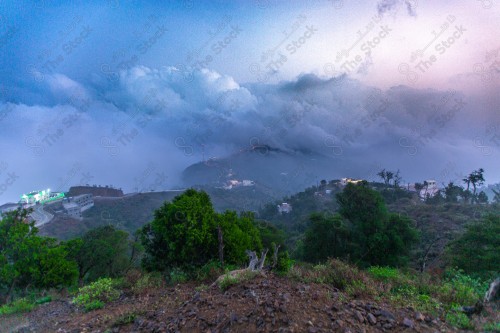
<point x="326" y="237"/>
<point x="459" y="320"/>
<point x="492" y="327"/>
<point x="125" y="319"/>
<point x="18" y="306"/>
<point x="285" y="263"/>
<point x="352" y="241"/>
<point x="96" y="295"/>
<point x="236" y="278"/>
<point x="145" y="282"/>
<point x="364" y="231"/>
<point x="184" y="234"/>
<point x="477" y="250"/>
<point x="383" y="273"/>
<point x="227" y="282"/>
<point x="103" y="252"/>
<point x="423" y="292"/>
<point x="28" y="260"/>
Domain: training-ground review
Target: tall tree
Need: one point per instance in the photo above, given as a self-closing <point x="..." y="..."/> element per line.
<point x="27" y="259"/>
<point x="477" y="250"/>
<point x="326" y="237"/>
<point x="383" y="174"/>
<point x="184" y="233"/>
<point x="101" y="252"/>
<point x="389" y="175"/>
<point x="476" y="178"/>
<point x="397" y="179"/>
<point x="380" y="238"/>
<point x="482" y="198"/>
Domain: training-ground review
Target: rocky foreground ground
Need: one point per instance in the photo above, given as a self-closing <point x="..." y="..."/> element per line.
<point x="263" y="304"/>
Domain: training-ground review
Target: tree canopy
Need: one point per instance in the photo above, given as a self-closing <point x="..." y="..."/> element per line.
<point x="377" y="237"/>
<point x="184" y="232"/>
<point x="477" y="250"/>
<point x="101" y="252"/>
<point x="27" y="259"/>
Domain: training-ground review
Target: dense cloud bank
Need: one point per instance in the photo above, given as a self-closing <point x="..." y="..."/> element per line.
<point x="141" y="128"/>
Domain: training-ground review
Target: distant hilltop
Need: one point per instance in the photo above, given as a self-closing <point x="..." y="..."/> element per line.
<point x="95" y="190"/>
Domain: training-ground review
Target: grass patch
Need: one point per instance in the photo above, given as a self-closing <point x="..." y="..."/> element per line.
<point x="235" y="277"/>
<point x="125" y="319"/>
<point x="147" y="282"/>
<point x="43" y="300"/>
<point x="21" y="305"/>
<point x="201" y="287"/>
<point x="227" y="282"/>
<point x="177" y="275"/>
<point x="338" y="274"/>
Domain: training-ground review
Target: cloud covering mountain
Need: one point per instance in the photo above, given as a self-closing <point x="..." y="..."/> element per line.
<point x="151" y="122"/>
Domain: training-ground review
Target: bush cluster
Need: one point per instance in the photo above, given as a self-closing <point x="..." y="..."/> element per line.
<point x="96" y="295"/>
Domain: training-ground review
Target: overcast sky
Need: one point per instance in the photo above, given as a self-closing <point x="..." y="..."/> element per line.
<point x="118" y="92"/>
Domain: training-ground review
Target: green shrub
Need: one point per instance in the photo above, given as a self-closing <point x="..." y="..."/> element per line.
<point x="125" y="319"/>
<point x="358" y="288"/>
<point x="406" y="294"/>
<point x="344" y="275"/>
<point x="177" y="275"/>
<point x="18" y="306"/>
<point x="227" y="282"/>
<point x="337" y="273"/>
<point x="43" y="300"/>
<point x="96" y="294"/>
<point x="230" y="280"/>
<point x="93" y="305"/>
<point x="459" y="320"/>
<point x="405" y="291"/>
<point x="459" y="288"/>
<point x="284" y="262"/>
<point x="201" y="287"/>
<point x="148" y="281"/>
<point x="491" y="327"/>
<point x="210" y="271"/>
<point x="384" y="273"/>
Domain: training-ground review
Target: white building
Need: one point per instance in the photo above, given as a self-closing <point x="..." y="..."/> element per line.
<point x="284" y="208"/>
<point x="345" y="181"/>
<point x="431" y="189"/>
<point x="75" y="206"/>
<point x="236" y="183"/>
<point x="73" y="210"/>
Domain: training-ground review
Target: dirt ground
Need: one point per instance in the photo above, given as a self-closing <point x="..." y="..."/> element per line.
<point x="263" y="304"/>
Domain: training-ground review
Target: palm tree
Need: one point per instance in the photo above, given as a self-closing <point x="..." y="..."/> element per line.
<point x="476" y="179"/>
<point x="382" y="174"/>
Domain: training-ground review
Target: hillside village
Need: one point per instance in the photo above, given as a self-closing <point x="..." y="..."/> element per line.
<point x="81" y="198"/>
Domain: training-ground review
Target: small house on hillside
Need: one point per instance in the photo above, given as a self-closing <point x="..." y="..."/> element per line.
<point x="284" y="208"/>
